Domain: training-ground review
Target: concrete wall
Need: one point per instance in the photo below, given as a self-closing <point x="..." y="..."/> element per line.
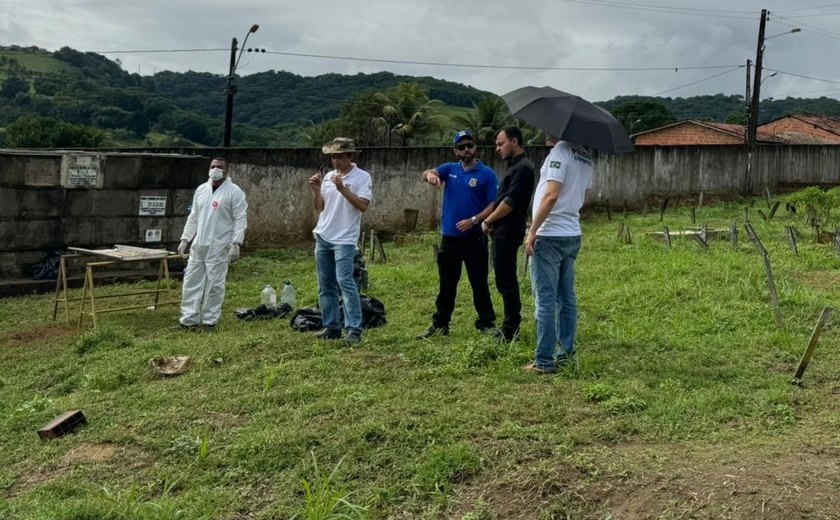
<point x="51" y="200"/>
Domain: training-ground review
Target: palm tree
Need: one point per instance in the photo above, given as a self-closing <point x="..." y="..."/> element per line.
<point x="490" y="115"/>
<point x="407" y="110"/>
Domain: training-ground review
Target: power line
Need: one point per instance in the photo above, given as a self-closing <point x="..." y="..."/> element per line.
<point x="808" y="8"/>
<point x="804" y="76"/>
<point x="721" y="13"/>
<point x="813" y="28"/>
<point x="698" y="81"/>
<point x="436" y="63"/>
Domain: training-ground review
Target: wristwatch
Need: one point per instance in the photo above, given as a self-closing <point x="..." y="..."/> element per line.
<point x="474" y="221"/>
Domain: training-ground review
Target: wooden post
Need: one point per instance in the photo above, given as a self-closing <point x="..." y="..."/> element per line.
<point x="700" y="201"/>
<point x="763" y="215"/>
<point x="774" y="209"/>
<point x="624" y="209"/>
<point x="746" y="214"/>
<point x="697" y="238"/>
<point x="662" y="208"/>
<point x="791" y="236"/>
<point x="381" y="250"/>
<point x="628" y="239"/>
<point x="774" y="296"/>
<point x="372" y="244"/>
<point x="667" y="237"/>
<point x="754" y="238"/>
<point x="837" y="242"/>
<point x="767" y="196"/>
<point x="609" y="210"/>
<point x="812" y="345"/>
<point x="693" y="215"/>
<point x="733" y="235"/>
<point x="620" y="232"/>
<point x="704" y="232"/>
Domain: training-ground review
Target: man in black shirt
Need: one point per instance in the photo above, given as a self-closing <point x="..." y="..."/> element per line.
<point x="507" y="224"/>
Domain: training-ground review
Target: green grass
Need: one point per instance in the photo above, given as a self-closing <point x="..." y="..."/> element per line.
<point x="36" y="62"/>
<point x="678" y="351"/>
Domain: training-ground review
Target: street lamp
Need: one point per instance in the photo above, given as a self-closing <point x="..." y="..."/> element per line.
<point x="231" y="88"/>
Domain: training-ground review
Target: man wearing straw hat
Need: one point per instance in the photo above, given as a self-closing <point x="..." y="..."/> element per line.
<point x="339" y="199"/>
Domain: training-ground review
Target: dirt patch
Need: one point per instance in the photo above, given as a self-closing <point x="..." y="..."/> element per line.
<point x="38" y="335"/>
<point x="666" y="482"/>
<point x="107" y="455"/>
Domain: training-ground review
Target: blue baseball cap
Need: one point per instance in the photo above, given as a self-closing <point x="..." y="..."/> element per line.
<point x="463" y="134"/>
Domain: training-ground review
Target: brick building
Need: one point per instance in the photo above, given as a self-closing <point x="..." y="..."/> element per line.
<point x="803" y="129"/>
<point x="790" y="129"/>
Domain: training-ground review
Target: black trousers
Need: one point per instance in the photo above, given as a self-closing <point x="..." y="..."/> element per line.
<point x="505" y="250"/>
<point x="471" y="251"/>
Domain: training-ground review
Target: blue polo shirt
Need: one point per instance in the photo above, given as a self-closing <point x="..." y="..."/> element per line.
<point x="465" y="194"/>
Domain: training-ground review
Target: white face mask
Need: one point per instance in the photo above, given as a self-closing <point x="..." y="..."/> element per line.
<point x="216" y="174"/>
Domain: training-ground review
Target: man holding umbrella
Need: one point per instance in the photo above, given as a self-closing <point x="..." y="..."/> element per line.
<point x="554" y="242"/>
<point x="554" y="237"/>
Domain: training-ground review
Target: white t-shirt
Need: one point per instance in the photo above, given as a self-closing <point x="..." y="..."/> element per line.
<point x="340" y="222"/>
<point x="571" y="165"/>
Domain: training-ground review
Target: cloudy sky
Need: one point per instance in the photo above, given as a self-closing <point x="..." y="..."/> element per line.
<point x="594" y="48"/>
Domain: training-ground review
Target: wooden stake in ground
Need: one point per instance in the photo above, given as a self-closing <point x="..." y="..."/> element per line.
<point x="628" y="239"/>
<point x="746" y="214"/>
<point x="763" y="215"/>
<point x="812" y="345"/>
<point x="733" y="235"/>
<point x="609" y="210"/>
<point x="693" y="215"/>
<point x="620" y="232"/>
<point x="774" y="296"/>
<point x="837" y="242"/>
<point x="702" y="243"/>
<point x="668" y="237"/>
<point x="767" y="197"/>
<point x="381" y="250"/>
<point x="774" y="209"/>
<point x="624" y="209"/>
<point x="791" y="236"/>
<point x="754" y="238"/>
<point x="662" y="208"/>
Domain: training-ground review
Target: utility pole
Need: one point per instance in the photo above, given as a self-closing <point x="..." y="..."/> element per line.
<point x="759" y="58"/>
<point x="231" y="89"/>
<point x="747" y="99"/>
<point x="752" y="122"/>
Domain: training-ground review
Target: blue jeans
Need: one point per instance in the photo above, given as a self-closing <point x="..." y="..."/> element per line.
<point x="334" y="264"/>
<point x="553" y="282"/>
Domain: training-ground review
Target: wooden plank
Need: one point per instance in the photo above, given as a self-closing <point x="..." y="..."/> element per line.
<point x="791" y="236"/>
<point x="609" y="210"/>
<point x="620" y="233"/>
<point x="767" y="196"/>
<point x="702" y="243"/>
<point x="667" y="237"/>
<point x="774" y="296"/>
<point x="63" y="424"/>
<point x="774" y="209"/>
<point x="662" y="208"/>
<point x="381" y="250"/>
<point x="754" y="238"/>
<point x="733" y="235"/>
<point x="693" y="215"/>
<point x="812" y="345"/>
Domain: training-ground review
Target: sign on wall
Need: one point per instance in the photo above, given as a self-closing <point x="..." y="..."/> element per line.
<point x="81" y="171"/>
<point x="152" y="206"/>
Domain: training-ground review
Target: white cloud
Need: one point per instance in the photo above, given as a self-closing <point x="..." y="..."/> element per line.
<point x="493" y="32"/>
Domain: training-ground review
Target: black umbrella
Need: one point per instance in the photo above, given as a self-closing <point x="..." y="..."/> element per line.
<point x="569" y="117"/>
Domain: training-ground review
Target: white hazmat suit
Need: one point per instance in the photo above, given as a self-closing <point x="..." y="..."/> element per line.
<point x="216" y="226"/>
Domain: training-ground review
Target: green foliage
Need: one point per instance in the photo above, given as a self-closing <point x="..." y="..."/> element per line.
<point x="46" y="132"/>
<point x="324" y="500"/>
<point x="638" y="116"/>
<point x="817" y="206"/>
<point x="407" y="111"/>
<point x="100" y="339"/>
<point x="13" y="86"/>
<point x="490" y="115"/>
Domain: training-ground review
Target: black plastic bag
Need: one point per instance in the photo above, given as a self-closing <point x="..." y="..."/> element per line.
<point x="306" y="319"/>
<point x="264" y="313"/>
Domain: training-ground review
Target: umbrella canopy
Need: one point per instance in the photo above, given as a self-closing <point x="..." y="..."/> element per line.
<point x="569" y="117"/>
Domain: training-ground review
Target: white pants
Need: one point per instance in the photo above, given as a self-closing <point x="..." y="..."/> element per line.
<point x="204" y="287"/>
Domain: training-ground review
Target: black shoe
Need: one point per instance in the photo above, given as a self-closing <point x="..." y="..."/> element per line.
<point x="181" y="327"/>
<point x="328" y="334"/>
<point x="431" y="331"/>
<point x="352" y="339"/>
<point x="208" y="327"/>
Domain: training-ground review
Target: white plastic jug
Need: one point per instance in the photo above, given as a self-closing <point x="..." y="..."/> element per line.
<point x="288" y="294"/>
<point x="268" y="297"/>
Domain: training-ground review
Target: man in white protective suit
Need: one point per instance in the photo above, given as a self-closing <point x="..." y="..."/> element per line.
<point x="216" y="228"/>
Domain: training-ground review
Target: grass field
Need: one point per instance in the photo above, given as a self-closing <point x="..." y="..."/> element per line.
<point x="681" y="407"/>
<point x="34" y="62"/>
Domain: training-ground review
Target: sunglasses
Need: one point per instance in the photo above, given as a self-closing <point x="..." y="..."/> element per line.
<point x="465" y="146"/>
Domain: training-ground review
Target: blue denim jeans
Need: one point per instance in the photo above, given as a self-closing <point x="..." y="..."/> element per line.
<point x="334" y="264"/>
<point x="553" y="283"/>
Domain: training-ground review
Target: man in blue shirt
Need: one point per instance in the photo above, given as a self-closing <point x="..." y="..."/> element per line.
<point x="469" y="190"/>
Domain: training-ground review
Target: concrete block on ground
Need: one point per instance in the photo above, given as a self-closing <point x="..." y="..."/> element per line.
<point x="39" y="203"/>
<point x="43" y="171"/>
